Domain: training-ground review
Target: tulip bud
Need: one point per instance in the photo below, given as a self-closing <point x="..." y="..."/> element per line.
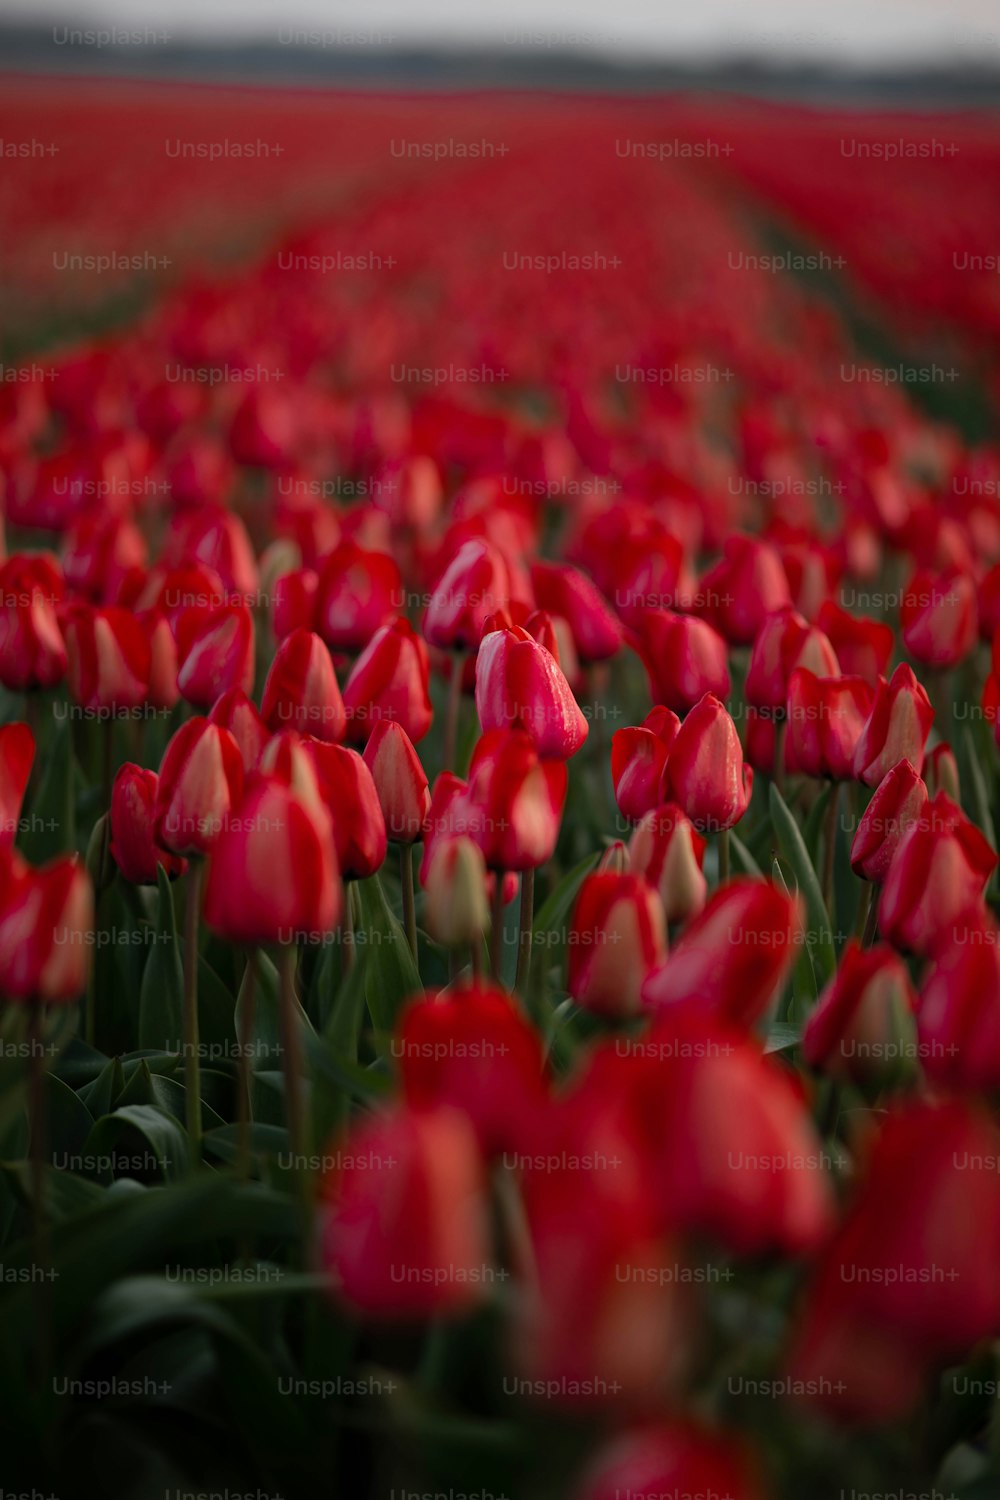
<point x="474" y="585"/>
<point x="732" y="957"/>
<point x="456" y="907"/>
<point x="163" y="690"/>
<point x="784" y="642"/>
<point x="519" y="685"/>
<point x="400" y="782"/>
<point x="896" y="807"/>
<point x="897" y="728"/>
<point x="390" y="680"/>
<point x="936" y="878"/>
<point x="959" y="1015"/>
<point x="17" y="754"/>
<point x="938" y="617"/>
<point x="684" y="657"/>
<point x="201" y="780"/>
<point x="358" y="593"/>
<point x="616" y="937"/>
<point x="301" y="690"/>
<point x="707" y="773"/>
<point x="109" y="658"/>
<point x="46" y="929"/>
<point x="667" y="852"/>
<point x="133" y="838"/>
<point x="32" y="650"/>
<point x="940" y="771"/>
<point x="348" y="792"/>
<point x="741" y="590"/>
<point x="863" y="646"/>
<point x="216" y="538"/>
<point x="405" y="1223"/>
<point x="294" y="602"/>
<point x="234" y="711"/>
<point x="471" y="1049"/>
<point x="670" y="1461"/>
<point x="826" y="716"/>
<point x="639" y="762"/>
<point x="215" y="652"/>
<point x="513" y="803"/>
<point x="563" y="590"/>
<point x="273" y="876"/>
<point x="863" y="1027"/>
<point x="614" y="860"/>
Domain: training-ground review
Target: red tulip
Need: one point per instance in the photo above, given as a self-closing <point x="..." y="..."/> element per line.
<point x="639" y="762"/>
<point x="733" y="957"/>
<point x="17" y="754"/>
<point x="826" y="716"/>
<point x="519" y="685"/>
<point x="863" y="645"/>
<point x="959" y="1015"/>
<point x="101" y="554"/>
<point x="163" y="690"/>
<point x="667" y="852"/>
<point x="405" y="1224"/>
<point x="616" y="937"/>
<point x="215" y="652"/>
<point x="301" y="690"/>
<point x="358" y="593"/>
<point x="940" y="771"/>
<point x="513" y="803"/>
<point x="350" y="796"/>
<point x="133" y="837"/>
<point x="201" y="781"/>
<point x="234" y="711"/>
<point x="863" y="1026"/>
<point x="475" y="584"/>
<point x="400" y="781"/>
<point x="471" y="1049"/>
<point x="896" y="807"/>
<point x="707" y="773"/>
<point x="294" y="606"/>
<point x="685" y="659"/>
<point x="784" y="642"/>
<point x="217" y="539"/>
<point x="938" y="617"/>
<point x="46" y="929"/>
<point x="563" y="590"/>
<point x="897" y="727"/>
<point x="273" y="876"/>
<point x="32" y="650"/>
<point x="390" y="680"/>
<point x="672" y="1461"/>
<point x="109" y="658"/>
<point x="741" y="590"/>
<point x="936" y="878"/>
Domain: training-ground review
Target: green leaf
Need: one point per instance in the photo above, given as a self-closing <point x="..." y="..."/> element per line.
<point x="161" y="994"/>
<point x="167" y="1143"/>
<point x="742" y="856"/>
<point x="52" y="821"/>
<point x="552" y="914"/>
<point x="390" y="974"/>
<point x="792" y="846"/>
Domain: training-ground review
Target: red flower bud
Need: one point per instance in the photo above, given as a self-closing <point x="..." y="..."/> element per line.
<point x="46" y="929"/>
<point x="743" y="588"/>
<point x="519" y="685"/>
<point x="784" y="642"/>
<point x="733" y="956"/>
<point x="863" y="1026"/>
<point x="17" y="754"/>
<point x="472" y="1049"/>
<point x="32" y="650"/>
<point x="358" y="593"/>
<point x="475" y="584"/>
<point x="400" y="781"/>
<point x="940" y="771"/>
<point x="513" y="803"/>
<point x="215" y="652"/>
<point x="959" y="1016"/>
<point x="201" y="780"/>
<point x="935" y="879"/>
<point x="133" y="836"/>
<point x="684" y="657"/>
<point x="639" y="762"/>
<point x="898" y="804"/>
<point x="301" y="690"/>
<point x="938" y="617"/>
<point x="390" y="680"/>
<point x="163" y="691"/>
<point x="563" y="590"/>
<point x="897" y="728"/>
<point x="238" y="713"/>
<point x="349" y="794"/>
<point x="707" y="773"/>
<point x="294" y="606"/>
<point x="670" y="1461"/>
<point x="616" y="937"/>
<point x="273" y="877"/>
<point x="863" y="646"/>
<point x="666" y="851"/>
<point x="101" y="553"/>
<point x="826" y="716"/>
<point x="109" y="657"/>
<point x="405" y="1218"/>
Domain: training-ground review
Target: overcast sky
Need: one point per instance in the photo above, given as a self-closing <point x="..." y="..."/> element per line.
<point x="857" y="31"/>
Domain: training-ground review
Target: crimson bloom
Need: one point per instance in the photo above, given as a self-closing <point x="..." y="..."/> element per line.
<point x="134" y="844"/>
<point x="301" y="689"/>
<point x="201" y="780"/>
<point x="897" y="727"/>
<point x="519" y="685"/>
<point x="390" y="680"/>
<point x="708" y="776"/>
<point x="936" y="877"/>
<point x="617" y="935"/>
<point x="639" y="756"/>
<point x="400" y="781"/>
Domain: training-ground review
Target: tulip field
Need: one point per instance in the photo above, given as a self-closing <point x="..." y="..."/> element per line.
<point x="500" y="662"/>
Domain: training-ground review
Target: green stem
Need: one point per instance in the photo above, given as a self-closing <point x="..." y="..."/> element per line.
<point x="830" y="848"/>
<point x="409" y="899"/>
<point x="192" y="1061"/>
<point x="291" y="1043"/>
<point x="245" y="1070"/>
<point x="871" y="922"/>
<point x="524" y="935"/>
<point x="40" y="1216"/>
